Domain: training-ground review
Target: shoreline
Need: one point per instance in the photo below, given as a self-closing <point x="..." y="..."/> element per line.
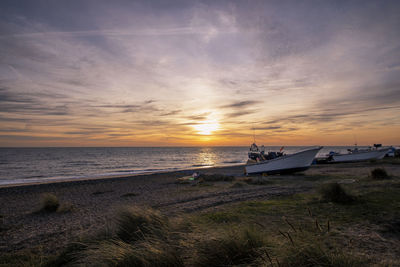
<point x="51" y="180"/>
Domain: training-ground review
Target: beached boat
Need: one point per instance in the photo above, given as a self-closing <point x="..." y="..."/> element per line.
<point x="359" y="155"/>
<point x="299" y="161"/>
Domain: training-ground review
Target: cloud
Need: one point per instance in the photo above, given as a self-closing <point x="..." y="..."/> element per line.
<point x="241" y="104"/>
<point x="172" y="113"/>
<point x="198" y="117"/>
<point x="239" y="114"/>
<point x="267" y="128"/>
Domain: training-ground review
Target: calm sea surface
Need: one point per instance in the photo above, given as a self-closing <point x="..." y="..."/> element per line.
<point x="21" y="165"/>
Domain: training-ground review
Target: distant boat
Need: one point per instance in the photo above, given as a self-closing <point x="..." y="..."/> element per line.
<point x="359" y="155"/>
<point x="299" y="161"/>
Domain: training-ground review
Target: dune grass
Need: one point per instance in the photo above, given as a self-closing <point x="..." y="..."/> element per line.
<point x="23" y="258"/>
<point x="135" y="223"/>
<point x="307" y="251"/>
<point x="231" y="248"/>
<point x="139" y="237"/>
<point x="49" y="203"/>
<point x="149" y="252"/>
<point x="335" y="192"/>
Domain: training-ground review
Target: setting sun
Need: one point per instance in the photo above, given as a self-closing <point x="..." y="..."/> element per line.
<point x="206" y="127"/>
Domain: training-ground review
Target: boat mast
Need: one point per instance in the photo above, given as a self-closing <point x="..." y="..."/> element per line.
<point x="254" y="134"/>
<point x="355" y="140"/>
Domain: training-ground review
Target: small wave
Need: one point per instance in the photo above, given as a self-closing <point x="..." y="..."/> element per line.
<point x="35" y="176"/>
<point x="201" y="165"/>
<point x="126" y="171"/>
<point x="81" y="163"/>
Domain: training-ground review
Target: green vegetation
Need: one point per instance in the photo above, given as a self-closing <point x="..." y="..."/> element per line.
<point x="231" y="248"/>
<point x="219" y="217"/>
<point x="65" y="207"/>
<point x="334" y="192"/>
<point x="141" y="237"/>
<point x="49" y="203"/>
<point x="23" y="258"/>
<point x="134" y="223"/>
<point x="309" y="252"/>
<point x="118" y="253"/>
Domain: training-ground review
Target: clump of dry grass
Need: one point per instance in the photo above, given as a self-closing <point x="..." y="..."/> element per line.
<point x="334" y="192"/>
<point x="379" y="174"/>
<point x="118" y="253"/>
<point x="310" y="246"/>
<point x="66" y="207"/>
<point x="232" y="248"/>
<point x="142" y="237"/>
<point x="134" y="223"/>
<point x="312" y="252"/>
<point x="49" y="202"/>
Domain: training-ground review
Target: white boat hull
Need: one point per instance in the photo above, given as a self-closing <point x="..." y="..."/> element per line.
<point x="360" y="156"/>
<point x="296" y="162"/>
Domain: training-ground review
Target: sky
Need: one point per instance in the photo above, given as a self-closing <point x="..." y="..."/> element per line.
<point x="199" y="73"/>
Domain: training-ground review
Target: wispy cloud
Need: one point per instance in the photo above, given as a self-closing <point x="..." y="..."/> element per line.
<point x="241" y="104"/>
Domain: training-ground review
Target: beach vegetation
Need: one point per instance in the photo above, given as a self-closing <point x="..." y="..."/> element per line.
<point x="24" y="258"/>
<point x="70" y="254"/>
<point x="240" y="247"/>
<point x="148" y="252"/>
<point x="220" y="217"/>
<point x="134" y="223"/>
<point x="309" y="251"/>
<point x="49" y="202"/>
<point x="65" y="207"/>
<point x="379" y="174"/>
<point x="334" y="192"/>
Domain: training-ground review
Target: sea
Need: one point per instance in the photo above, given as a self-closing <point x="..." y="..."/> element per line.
<point x="32" y="165"/>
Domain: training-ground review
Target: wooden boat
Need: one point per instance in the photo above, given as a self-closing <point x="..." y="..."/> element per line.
<point x="299" y="161"/>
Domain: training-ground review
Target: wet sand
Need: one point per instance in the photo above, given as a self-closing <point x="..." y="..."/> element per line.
<point x="96" y="201"/>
